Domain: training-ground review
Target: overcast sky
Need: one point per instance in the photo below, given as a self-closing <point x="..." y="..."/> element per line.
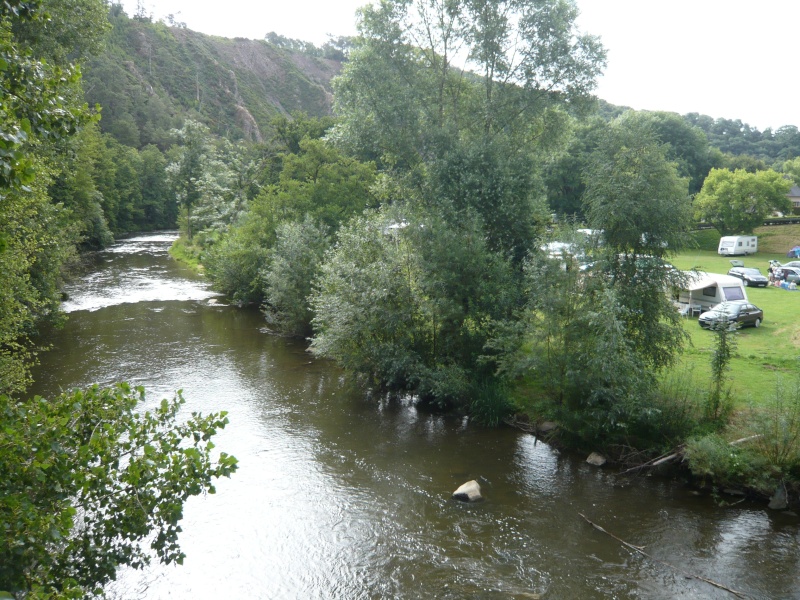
<point x="733" y="59"/>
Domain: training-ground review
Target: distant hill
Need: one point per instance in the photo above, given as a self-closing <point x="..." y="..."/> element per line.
<point x="152" y="76"/>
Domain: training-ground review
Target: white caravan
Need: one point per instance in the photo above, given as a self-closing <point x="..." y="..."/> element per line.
<point x="704" y="290"/>
<point x="731" y="245"/>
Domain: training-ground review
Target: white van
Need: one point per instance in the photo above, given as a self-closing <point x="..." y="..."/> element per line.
<point x="731" y="245"/>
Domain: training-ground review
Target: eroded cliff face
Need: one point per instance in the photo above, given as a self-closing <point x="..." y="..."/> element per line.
<point x="150" y="77"/>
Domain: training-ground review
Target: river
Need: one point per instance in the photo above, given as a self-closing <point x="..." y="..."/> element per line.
<point x="345" y="496"/>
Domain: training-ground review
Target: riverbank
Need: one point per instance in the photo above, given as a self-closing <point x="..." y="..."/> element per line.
<point x="680" y="413"/>
<point x="187" y="253"/>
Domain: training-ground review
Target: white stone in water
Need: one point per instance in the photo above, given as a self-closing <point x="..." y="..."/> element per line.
<point x="469" y="492"/>
<point x="596" y="459"/>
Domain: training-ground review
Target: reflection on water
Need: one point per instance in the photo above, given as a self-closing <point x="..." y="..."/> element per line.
<point x="345" y="496"/>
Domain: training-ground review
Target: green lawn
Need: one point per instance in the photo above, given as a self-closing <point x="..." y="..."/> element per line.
<point x="764" y="355"/>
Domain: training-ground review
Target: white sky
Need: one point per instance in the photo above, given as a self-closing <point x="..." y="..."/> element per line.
<point x="733" y="59"/>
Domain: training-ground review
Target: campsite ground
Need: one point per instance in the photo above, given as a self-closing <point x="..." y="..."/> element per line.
<point x="764" y="355"/>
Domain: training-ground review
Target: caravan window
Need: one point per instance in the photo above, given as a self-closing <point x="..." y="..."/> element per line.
<point x="732" y="293"/>
<point x="710" y="291"/>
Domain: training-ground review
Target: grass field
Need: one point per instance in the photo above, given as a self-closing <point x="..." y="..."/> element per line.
<point x="766" y="354"/>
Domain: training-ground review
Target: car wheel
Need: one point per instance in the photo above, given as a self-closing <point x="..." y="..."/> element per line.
<point x="746" y="283"/>
<point x="757" y="323"/>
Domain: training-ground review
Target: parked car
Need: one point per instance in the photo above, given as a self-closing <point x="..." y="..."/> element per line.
<point x="750" y="275"/>
<point x="738" y="314"/>
<point x="790" y="274"/>
<point x="793" y="263"/>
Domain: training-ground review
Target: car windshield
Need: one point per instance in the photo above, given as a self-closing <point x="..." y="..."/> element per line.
<point x="728" y="309"/>
<point x="751" y="271"/>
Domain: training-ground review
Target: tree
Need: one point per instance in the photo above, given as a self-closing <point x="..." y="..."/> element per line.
<point x="406" y="299"/>
<point x="401" y="96"/>
<point x="635" y="197"/>
<point x="320" y="182"/>
<point x="68" y="30"/>
<point x="564" y="172"/>
<point x="737" y="201"/>
<point x="294" y="263"/>
<point x="187" y="172"/>
<point x="571" y="339"/>
<point x="687" y="147"/>
<point x="36" y="98"/>
<point x="160" y="211"/>
<point x="30" y="274"/>
<point x="792" y="169"/>
<point x="75" y="186"/>
<point x="89" y="483"/>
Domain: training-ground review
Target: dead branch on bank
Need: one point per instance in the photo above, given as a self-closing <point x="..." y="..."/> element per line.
<point x="678" y="454"/>
<point x="641" y="551"/>
<point x="658" y="460"/>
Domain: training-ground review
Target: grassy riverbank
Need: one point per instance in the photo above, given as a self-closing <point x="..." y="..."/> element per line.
<point x="187" y="254"/>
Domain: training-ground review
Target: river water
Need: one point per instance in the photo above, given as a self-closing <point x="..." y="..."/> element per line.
<point x="345" y="496"/>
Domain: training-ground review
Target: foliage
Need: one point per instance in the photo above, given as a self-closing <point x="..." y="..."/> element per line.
<point x="719" y="397"/>
<point x="290" y="132"/>
<point x="736" y="202"/>
<point x="319" y="182"/>
<point x="69" y="31"/>
<point x="38" y="240"/>
<point x="406" y="299"/>
<point x="490" y="403"/>
<point x="687" y="146"/>
<point x="733" y="137"/>
<point x="186" y="173"/>
<point x="36" y="99"/>
<point x="769" y="453"/>
<point x="236" y="262"/>
<point x="571" y="339"/>
<point x="792" y="169"/>
<point x="400" y="94"/>
<point x="564" y="172"/>
<point x="294" y="263"/>
<point x="776" y="423"/>
<point x="635" y="197"/>
<point x="111" y="188"/>
<point x="89" y="481"/>
<point x="712" y="457"/>
<point x="494" y="181"/>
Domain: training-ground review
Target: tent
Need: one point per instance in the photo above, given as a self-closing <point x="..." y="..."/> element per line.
<point x="794" y="252"/>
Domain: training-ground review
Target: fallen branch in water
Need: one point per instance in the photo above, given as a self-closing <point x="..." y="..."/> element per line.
<point x="641" y="551"/>
<point x="658" y="460"/>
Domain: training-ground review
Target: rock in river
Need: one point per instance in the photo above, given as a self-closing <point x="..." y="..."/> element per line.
<point x="469" y="492"/>
<point x="596" y="459"/>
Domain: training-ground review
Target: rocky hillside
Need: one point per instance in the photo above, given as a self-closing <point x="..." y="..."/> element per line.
<point x="152" y="76"/>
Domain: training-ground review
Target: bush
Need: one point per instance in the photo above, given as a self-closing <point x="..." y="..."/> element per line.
<point x="490" y="402"/>
<point x="295" y="263"/>
<point x="235" y="265"/>
<point x="712" y="458"/>
<point x="776" y="425"/>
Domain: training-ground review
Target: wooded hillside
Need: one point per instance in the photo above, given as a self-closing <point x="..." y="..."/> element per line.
<point x="152" y="76"/>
